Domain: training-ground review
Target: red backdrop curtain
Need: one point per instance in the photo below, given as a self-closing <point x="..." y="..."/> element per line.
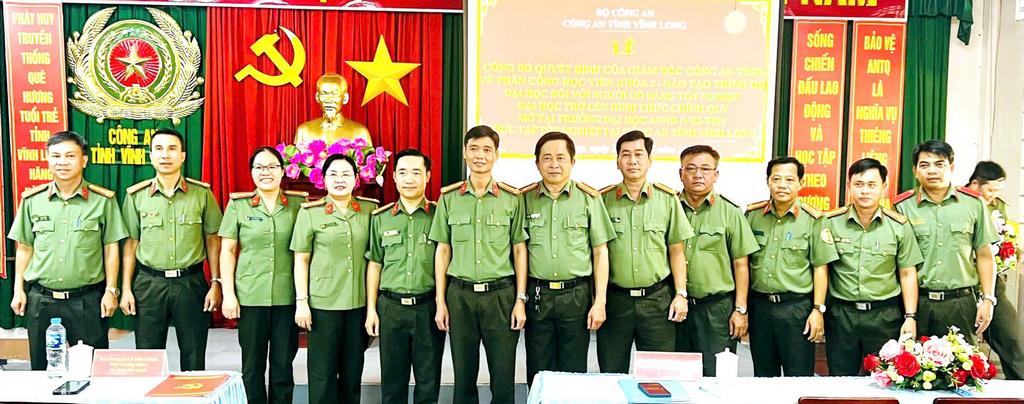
<point x="241" y="116"/>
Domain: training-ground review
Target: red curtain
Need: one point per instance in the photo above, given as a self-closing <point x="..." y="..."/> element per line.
<point x="241" y="116"/>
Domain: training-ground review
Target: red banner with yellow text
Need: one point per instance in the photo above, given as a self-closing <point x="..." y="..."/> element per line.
<point x="889" y="10"/>
<point x="876" y="101"/>
<point x="816" y="120"/>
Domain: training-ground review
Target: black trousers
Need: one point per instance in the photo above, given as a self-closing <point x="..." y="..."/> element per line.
<point x="482" y="317"/>
<point x="409" y="338"/>
<point x="1004" y="334"/>
<point x="777" y="342"/>
<point x="643" y="320"/>
<point x="557" y="337"/>
<point x="335" y="362"/>
<point x="160" y="302"/>
<point x="934" y="317"/>
<point x="268" y="332"/>
<point x="79" y="315"/>
<point x="851" y="334"/>
<point x="706" y="330"/>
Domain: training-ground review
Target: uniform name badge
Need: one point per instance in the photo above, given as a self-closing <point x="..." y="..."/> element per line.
<point x="390" y="233"/>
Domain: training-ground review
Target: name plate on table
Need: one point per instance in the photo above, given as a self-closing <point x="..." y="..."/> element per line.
<point x="677" y="366"/>
<point x="129" y="363"/>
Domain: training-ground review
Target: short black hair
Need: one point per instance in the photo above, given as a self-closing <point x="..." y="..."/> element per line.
<point x="335" y="157"/>
<point x="479" y="132"/>
<point x="631" y="136"/>
<point x="172" y="132"/>
<point x="69" y="136"/>
<point x="987" y="171"/>
<point x="700" y="149"/>
<point x="863" y="165"/>
<point x="268" y="149"/>
<point x="783" y="160"/>
<point x="412" y="153"/>
<point x="937" y="147"/>
<point x="550" y="136"/>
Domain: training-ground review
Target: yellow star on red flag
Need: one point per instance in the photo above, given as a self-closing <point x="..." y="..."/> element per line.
<point x="382" y="74"/>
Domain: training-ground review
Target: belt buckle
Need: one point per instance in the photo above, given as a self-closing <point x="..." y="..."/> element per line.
<point x="408" y="301"/>
<point x="60" y="295"/>
<point x="636" y="293"/>
<point x="863" y="306"/>
<point x="774" y="298"/>
<point x="556" y="285"/>
<point x="479" y="287"/>
<point x="174" y="273"/>
<point x="936" y="295"/>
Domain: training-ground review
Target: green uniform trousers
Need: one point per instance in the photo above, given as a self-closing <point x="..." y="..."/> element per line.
<point x="934" y="317"/>
<point x="335" y="358"/>
<point x="706" y="329"/>
<point x="852" y="334"/>
<point x="777" y="342"/>
<point x="643" y="319"/>
<point x="268" y="332"/>
<point x="557" y="337"/>
<point x="79" y="314"/>
<point x="1004" y="335"/>
<point x="476" y="317"/>
<point x="409" y="338"/>
<point x="160" y="302"/>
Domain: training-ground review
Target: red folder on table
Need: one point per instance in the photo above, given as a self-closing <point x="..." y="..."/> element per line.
<point x="187" y="386"/>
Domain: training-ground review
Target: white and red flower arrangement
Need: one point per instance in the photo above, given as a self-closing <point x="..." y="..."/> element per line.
<point x="930" y="363"/>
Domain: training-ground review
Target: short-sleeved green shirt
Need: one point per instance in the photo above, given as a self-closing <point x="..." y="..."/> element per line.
<point x="948" y="232"/>
<point x="170" y="225"/>
<point x="480" y="229"/>
<point x="67" y="235"/>
<point x="722" y="235"/>
<point x="869" y="258"/>
<point x="263" y="271"/>
<point x="563" y="230"/>
<point x="791" y="246"/>
<point x="645" y="228"/>
<point x="338" y="242"/>
<point x="398" y="241"/>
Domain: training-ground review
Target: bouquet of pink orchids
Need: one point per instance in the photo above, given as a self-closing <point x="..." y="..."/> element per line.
<point x="930" y="363"/>
<point x="306" y="159"/>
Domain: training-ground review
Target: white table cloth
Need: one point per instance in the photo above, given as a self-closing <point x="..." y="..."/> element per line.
<point x="35" y="387"/>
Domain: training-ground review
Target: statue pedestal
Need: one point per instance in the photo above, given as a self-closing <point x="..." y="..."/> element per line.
<point x="302" y="184"/>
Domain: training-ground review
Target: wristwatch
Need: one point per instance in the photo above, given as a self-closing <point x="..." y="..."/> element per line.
<point x="212" y="280"/>
<point x="820" y="308"/>
<point x="742" y="310"/>
<point x="910" y="315"/>
<point x="114" y="291"/>
<point x="990" y="298"/>
<point x="682" y="292"/>
<point x="523" y="296"/>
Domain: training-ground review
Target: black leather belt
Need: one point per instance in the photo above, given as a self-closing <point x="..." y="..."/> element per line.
<point x="868" y="306"/>
<point x="172" y="273"/>
<point x="66" y="293"/>
<point x="780" y="297"/>
<point x="481" y="287"/>
<point x="639" y="292"/>
<point x="558" y="285"/>
<point x="709" y="298"/>
<point x="940" y="295"/>
<point x="408" y="299"/>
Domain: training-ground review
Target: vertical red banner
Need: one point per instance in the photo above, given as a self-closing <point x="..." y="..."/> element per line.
<point x="876" y="102"/>
<point x="816" y="109"/>
<point x="36" y="85"/>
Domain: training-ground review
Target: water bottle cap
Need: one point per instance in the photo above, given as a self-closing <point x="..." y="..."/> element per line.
<point x="55" y="320"/>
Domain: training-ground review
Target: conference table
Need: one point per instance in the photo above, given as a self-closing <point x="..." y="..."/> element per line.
<point x="554" y="387"/>
<point x="36" y="387"/>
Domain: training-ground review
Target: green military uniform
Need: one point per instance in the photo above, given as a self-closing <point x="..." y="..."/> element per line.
<point x="864" y="309"/>
<point x="781" y="283"/>
<point x="722" y="235"/>
<point x="171" y="227"/>
<point x="409" y="337"/>
<point x="640" y="282"/>
<point x="948" y="233"/>
<point x="1004" y="334"/>
<point x="65" y="277"/>
<point x="481" y="294"/>
<point x="563" y="231"/>
<point x="338" y="241"/>
<point x="265" y="289"/>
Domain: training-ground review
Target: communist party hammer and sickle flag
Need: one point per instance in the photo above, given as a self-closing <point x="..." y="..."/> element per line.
<point x="289" y="72"/>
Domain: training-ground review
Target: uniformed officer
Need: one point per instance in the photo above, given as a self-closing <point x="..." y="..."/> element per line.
<point x="647" y="261"/>
<point x="66" y="262"/>
<point x="172" y="226"/>
<point x="872" y="242"/>
<point x="330" y="242"/>
<point x="955" y="233"/>
<point x="788" y="276"/>
<point x="1004" y="335"/>
<point x="259" y="289"/>
<point x="569" y="230"/>
<point x="402" y="269"/>
<point x="717" y="287"/>
<point x="480" y="271"/>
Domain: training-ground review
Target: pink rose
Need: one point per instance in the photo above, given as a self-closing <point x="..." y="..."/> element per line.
<point x="292" y="171"/>
<point x="881" y="378"/>
<point x="317" y="178"/>
<point x="939" y="351"/>
<point x="890" y="350"/>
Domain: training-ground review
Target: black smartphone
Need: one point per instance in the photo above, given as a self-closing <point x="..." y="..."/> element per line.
<point x="654" y="390"/>
<point x="71" y="387"/>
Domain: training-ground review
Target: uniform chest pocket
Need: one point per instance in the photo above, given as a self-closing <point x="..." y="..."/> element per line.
<point x="42" y="230"/>
<point x="654" y="233"/>
<point x="87" y="235"/>
<point x="190" y="220"/>
<point x="462" y="229"/>
<point x="923" y="233"/>
<point x="576" y="229"/>
<point x="882" y="254"/>
<point x="149" y="221"/>
<point x="394" y="248"/>
<point x="845" y="247"/>
<point x="794" y="253"/>
<point x="535" y="229"/>
<point x="963" y="233"/>
<point x="711" y="238"/>
<point x="425" y="247"/>
<point x="497" y="229"/>
<point x="618" y="226"/>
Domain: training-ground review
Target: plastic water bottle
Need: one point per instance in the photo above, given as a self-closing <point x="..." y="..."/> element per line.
<point x="56" y="349"/>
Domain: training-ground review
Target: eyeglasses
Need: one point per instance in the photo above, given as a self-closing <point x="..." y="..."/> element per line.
<point x="691" y="170"/>
<point x="274" y="167"/>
